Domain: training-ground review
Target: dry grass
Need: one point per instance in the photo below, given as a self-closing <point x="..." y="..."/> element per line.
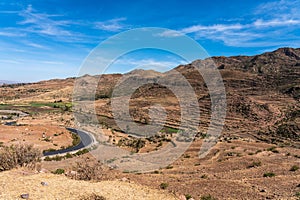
<point x="13" y="183"/>
<point x="18" y="155"/>
<point x="87" y="171"/>
<point x="92" y="197"/>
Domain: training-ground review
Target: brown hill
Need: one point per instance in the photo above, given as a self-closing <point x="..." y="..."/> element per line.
<point x="262" y="93"/>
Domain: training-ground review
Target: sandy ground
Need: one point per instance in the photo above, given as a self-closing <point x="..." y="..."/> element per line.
<point x="42" y="136"/>
<point x="14" y="183"/>
<point x="226" y="173"/>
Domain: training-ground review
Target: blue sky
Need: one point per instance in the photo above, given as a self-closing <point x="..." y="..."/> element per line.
<point x="51" y="38"/>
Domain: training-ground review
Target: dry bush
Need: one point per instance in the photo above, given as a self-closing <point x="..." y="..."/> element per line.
<point x="18" y="155"/>
<point x="92" y="197"/>
<point x="87" y="171"/>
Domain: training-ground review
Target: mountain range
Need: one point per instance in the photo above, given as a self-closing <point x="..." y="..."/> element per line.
<point x="263" y="93"/>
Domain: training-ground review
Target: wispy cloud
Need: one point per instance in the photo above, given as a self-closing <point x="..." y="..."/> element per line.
<point x="264" y="30"/>
<point x="9" y="61"/>
<point x="217" y="28"/>
<point x="280" y="7"/>
<point x="10" y="33"/>
<point x="36" y="61"/>
<point x="52" y="62"/>
<point x="275" y="22"/>
<point x="56" y="27"/>
<point x="113" y="25"/>
<point x="35" y="45"/>
<point x="170" y="33"/>
<point x="43" y="23"/>
<point x="50" y="26"/>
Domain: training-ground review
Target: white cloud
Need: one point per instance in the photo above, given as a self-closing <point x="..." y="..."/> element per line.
<point x="170" y="33"/>
<point x="52" y="62"/>
<point x="268" y="26"/>
<point x="275" y="22"/>
<point x="275" y="8"/>
<point x="56" y="27"/>
<point x="197" y="29"/>
<point x="113" y="25"/>
<point x="50" y="26"/>
<point x="11" y="34"/>
<point x="43" y="23"/>
<point x="35" y="45"/>
<point x="217" y="28"/>
<point x="9" y="61"/>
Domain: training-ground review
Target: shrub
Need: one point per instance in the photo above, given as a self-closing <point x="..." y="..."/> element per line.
<point x="186" y="156"/>
<point x="47" y="139"/>
<point x="47" y="158"/>
<point x="169" y="167"/>
<point x="164" y="186"/>
<point x="258" y="151"/>
<point x="269" y="174"/>
<point x="273" y="149"/>
<point x="18" y="155"/>
<point x="204" y="176"/>
<point x="230" y="154"/>
<point x="188" y="196"/>
<point x="294" y="168"/>
<point x="57" y="158"/>
<point x="254" y="164"/>
<point x="297" y="195"/>
<point x="68" y="155"/>
<point x="207" y="197"/>
<point x="59" y="171"/>
<point x="88" y="171"/>
<point x="49" y="150"/>
<point x="92" y="197"/>
<point x="80" y="152"/>
<point x="76" y="139"/>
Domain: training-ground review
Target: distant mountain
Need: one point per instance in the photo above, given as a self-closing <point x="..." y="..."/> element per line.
<point x="7" y="82"/>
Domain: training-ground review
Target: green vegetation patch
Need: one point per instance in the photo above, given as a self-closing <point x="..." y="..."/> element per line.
<point x="273" y="149"/>
<point x="65" y="106"/>
<point x="169" y="130"/>
<point x="163" y="186"/>
<point x="294" y="168"/>
<point x="5" y="106"/>
<point x="76" y="139"/>
<point x="254" y="164"/>
<point x="59" y="171"/>
<point x="269" y="174"/>
<point x="208" y="197"/>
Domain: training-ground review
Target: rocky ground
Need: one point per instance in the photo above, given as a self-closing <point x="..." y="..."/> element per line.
<point x="15" y="183"/>
<point x="256" y="157"/>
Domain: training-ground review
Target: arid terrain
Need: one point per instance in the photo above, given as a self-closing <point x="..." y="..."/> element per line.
<point x="257" y="155"/>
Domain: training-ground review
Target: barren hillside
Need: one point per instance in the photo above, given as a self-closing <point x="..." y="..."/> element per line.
<point x="256" y="157"/>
